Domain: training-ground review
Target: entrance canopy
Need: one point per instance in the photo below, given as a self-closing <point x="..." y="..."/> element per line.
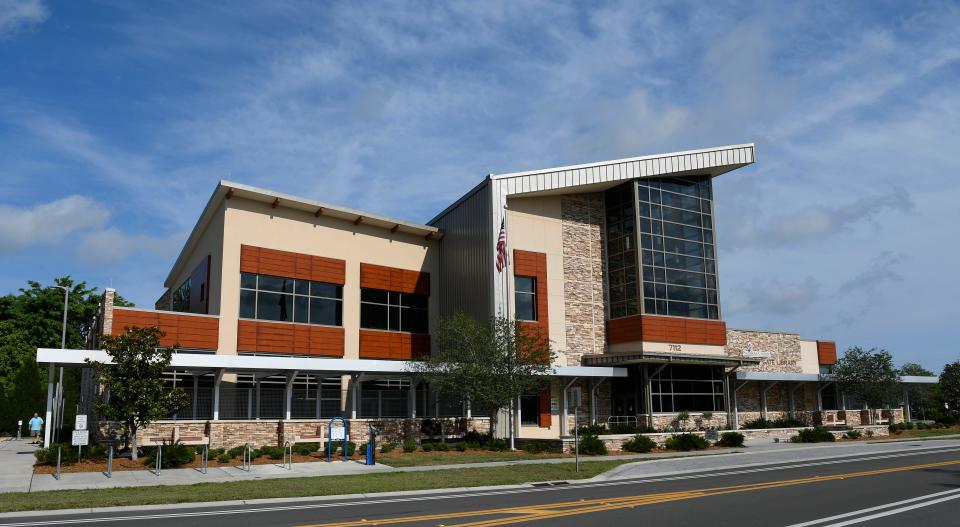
<point x="262" y="363"/>
<point x="652" y="357"/>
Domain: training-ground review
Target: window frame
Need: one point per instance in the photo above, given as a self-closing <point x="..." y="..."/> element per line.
<point x="294" y="295"/>
<point x="399" y="308"/>
<point x="532" y="293"/>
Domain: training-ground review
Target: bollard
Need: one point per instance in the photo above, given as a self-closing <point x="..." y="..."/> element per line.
<point x="159" y="457"/>
<point x="288" y="450"/>
<point x="247" y="460"/>
<point x="57" y="476"/>
<point x="110" y="462"/>
<point x="206" y="457"/>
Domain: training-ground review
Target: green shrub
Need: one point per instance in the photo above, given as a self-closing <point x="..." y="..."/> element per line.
<point x="461" y="447"/>
<point x="683" y="416"/>
<point x="304" y="449"/>
<point x="686" y="442"/>
<point x="639" y="443"/>
<point x="255" y="453"/>
<point x="475" y="438"/>
<point x="596" y="430"/>
<point x="814" y="435"/>
<point x="497" y="445"/>
<point x="591" y="445"/>
<point x="214" y="453"/>
<point x="427" y="447"/>
<point x="706" y="416"/>
<point x="869" y="433"/>
<point x="68" y="454"/>
<point x="852" y="434"/>
<point x="351" y="448"/>
<point x="273" y="452"/>
<point x="762" y="423"/>
<point x="441" y="447"/>
<point x="537" y="446"/>
<point x="922" y="426"/>
<point x="387" y="448"/>
<point x="172" y="455"/>
<point x="731" y="439"/>
<point x="409" y="446"/>
<point x="236" y="451"/>
<point x="224" y="458"/>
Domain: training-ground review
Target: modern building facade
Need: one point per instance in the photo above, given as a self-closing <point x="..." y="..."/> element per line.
<point x="290" y="311"/>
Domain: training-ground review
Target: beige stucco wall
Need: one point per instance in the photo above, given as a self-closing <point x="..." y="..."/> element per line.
<point x="252" y="223"/>
<point x="533" y="224"/>
<point x="809" y="360"/>
<point x="665" y="347"/>
<point x="210" y="243"/>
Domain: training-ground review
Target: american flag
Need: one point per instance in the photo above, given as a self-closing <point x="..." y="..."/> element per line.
<point x="502" y="247"/>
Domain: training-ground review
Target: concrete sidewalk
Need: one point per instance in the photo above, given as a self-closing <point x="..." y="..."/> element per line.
<point x="16" y="464"/>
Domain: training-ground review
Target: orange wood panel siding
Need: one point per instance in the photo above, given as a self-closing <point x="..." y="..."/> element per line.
<point x="534" y="264"/>
<point x="666" y="329"/>
<point x="189" y="331"/>
<point x="544" y="418"/>
<point x="393" y="279"/>
<point x="291" y="265"/>
<point x="299" y="339"/>
<point x="827" y="352"/>
<point x="393" y="345"/>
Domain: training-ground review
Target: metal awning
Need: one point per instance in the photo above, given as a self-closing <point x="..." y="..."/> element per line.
<point x="775" y="376"/>
<point x="264" y="363"/>
<point x="652" y="357"/>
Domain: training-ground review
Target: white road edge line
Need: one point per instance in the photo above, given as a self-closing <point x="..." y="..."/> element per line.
<point x="430" y="497"/>
<point x="880" y="507"/>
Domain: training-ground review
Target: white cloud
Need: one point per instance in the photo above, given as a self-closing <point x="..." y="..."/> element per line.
<point x="776" y="296"/>
<point x="48" y="222"/>
<point x="20" y="14"/>
<point x="111" y="246"/>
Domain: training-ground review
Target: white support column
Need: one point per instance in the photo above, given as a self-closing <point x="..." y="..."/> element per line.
<point x="292" y="376"/>
<point x="196" y="384"/>
<point x="469" y="409"/>
<point x="736" y="409"/>
<point x="412" y="399"/>
<point x="48" y="417"/>
<point x="565" y="411"/>
<point x="764" y="388"/>
<point x="256" y="385"/>
<point x="216" y="394"/>
<point x="354" y="394"/>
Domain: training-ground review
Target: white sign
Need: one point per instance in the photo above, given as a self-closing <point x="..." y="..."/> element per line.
<point x="80" y="438"/>
<point x="81" y="422"/>
<point x="337" y="433"/>
<point x="750" y="352"/>
<point x="20" y="423"/>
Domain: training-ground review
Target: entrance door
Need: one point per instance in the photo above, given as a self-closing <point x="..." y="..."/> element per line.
<point x="626" y="395"/>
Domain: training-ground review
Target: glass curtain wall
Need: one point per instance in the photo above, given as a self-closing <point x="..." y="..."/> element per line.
<point x="672" y="219"/>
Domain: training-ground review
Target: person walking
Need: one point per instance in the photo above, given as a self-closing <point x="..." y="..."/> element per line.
<point x="36" y="426"/>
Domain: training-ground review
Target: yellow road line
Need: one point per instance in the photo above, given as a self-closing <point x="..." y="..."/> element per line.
<point x="528" y="513"/>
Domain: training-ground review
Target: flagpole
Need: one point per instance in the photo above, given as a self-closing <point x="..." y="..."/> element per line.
<point x="506" y="305"/>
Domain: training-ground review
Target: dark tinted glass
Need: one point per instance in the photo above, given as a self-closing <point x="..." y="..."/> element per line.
<point x="373" y="295"/>
<point x="301" y="287"/>
<point x="687" y="294"/>
<point x="273" y="306"/>
<point x="329" y="312"/>
<point x="525" y="284"/>
<point x="414" y="321"/>
<point x="394" y="318"/>
<point x="681" y="202"/>
<point x="526" y="306"/>
<point x="686" y="278"/>
<point x="301" y="309"/>
<point x="681" y="216"/>
<point x="274" y="283"/>
<point x="373" y="316"/>
<point x="248" y="280"/>
<point x="248" y="304"/>
<point x="686" y="232"/>
<point x="416" y="301"/>
<point x="328" y="290"/>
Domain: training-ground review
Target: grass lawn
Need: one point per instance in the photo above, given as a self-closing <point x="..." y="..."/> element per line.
<point x="309" y="486"/>
<point x="455" y="458"/>
<point x="927" y="433"/>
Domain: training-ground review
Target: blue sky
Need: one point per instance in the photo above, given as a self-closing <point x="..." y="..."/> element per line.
<point x="118" y="118"/>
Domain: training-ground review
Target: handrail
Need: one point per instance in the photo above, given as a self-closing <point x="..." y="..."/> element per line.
<point x="159" y="458"/>
<point x="110" y="463"/>
<point x="247" y="460"/>
<point x="288" y="448"/>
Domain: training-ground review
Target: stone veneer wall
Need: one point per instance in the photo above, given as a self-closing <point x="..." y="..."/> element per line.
<point x="783" y="349"/>
<point x="584" y="294"/>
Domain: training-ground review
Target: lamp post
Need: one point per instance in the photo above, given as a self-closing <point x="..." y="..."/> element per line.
<point x="63" y="345"/>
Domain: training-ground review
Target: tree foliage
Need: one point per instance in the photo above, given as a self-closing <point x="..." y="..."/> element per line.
<point x="869" y="375"/>
<point x="950" y="386"/>
<point x="134" y="381"/>
<point x="31" y="319"/>
<point x="490" y="364"/>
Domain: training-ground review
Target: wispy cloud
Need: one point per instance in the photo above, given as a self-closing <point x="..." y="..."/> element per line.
<point x="50" y="222"/>
<point x="17" y="15"/>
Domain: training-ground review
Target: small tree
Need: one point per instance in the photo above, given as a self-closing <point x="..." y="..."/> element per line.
<point x="950" y="386"/>
<point x="135" y="381"/>
<point x="869" y="375"/>
<point x="489" y="364"/>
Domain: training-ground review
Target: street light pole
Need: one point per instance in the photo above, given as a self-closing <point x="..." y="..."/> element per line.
<point x="63" y="346"/>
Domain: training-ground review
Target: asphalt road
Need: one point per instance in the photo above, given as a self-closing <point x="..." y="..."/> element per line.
<point x="919" y="485"/>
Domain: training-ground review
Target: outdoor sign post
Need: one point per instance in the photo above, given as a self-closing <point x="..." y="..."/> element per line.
<point x="372" y="447"/>
<point x="19" y="428"/>
<point x="575" y="395"/>
<point x="337" y="434"/>
<point x="81" y="436"/>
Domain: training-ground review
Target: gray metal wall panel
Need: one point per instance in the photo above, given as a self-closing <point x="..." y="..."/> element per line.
<point x="466" y="257"/>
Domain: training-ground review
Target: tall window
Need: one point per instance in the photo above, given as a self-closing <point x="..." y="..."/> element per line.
<point x="530" y="410"/>
<point x="181" y="297"/>
<point x="265" y="297"/>
<point x="687" y="388"/>
<point x="620" y="205"/>
<point x="393" y="311"/>
<point x="525" y="297"/>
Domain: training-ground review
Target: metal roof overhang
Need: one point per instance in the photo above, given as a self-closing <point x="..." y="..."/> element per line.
<point x="648" y="357"/>
<point x="260" y="363"/>
<point x="773" y="376"/>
